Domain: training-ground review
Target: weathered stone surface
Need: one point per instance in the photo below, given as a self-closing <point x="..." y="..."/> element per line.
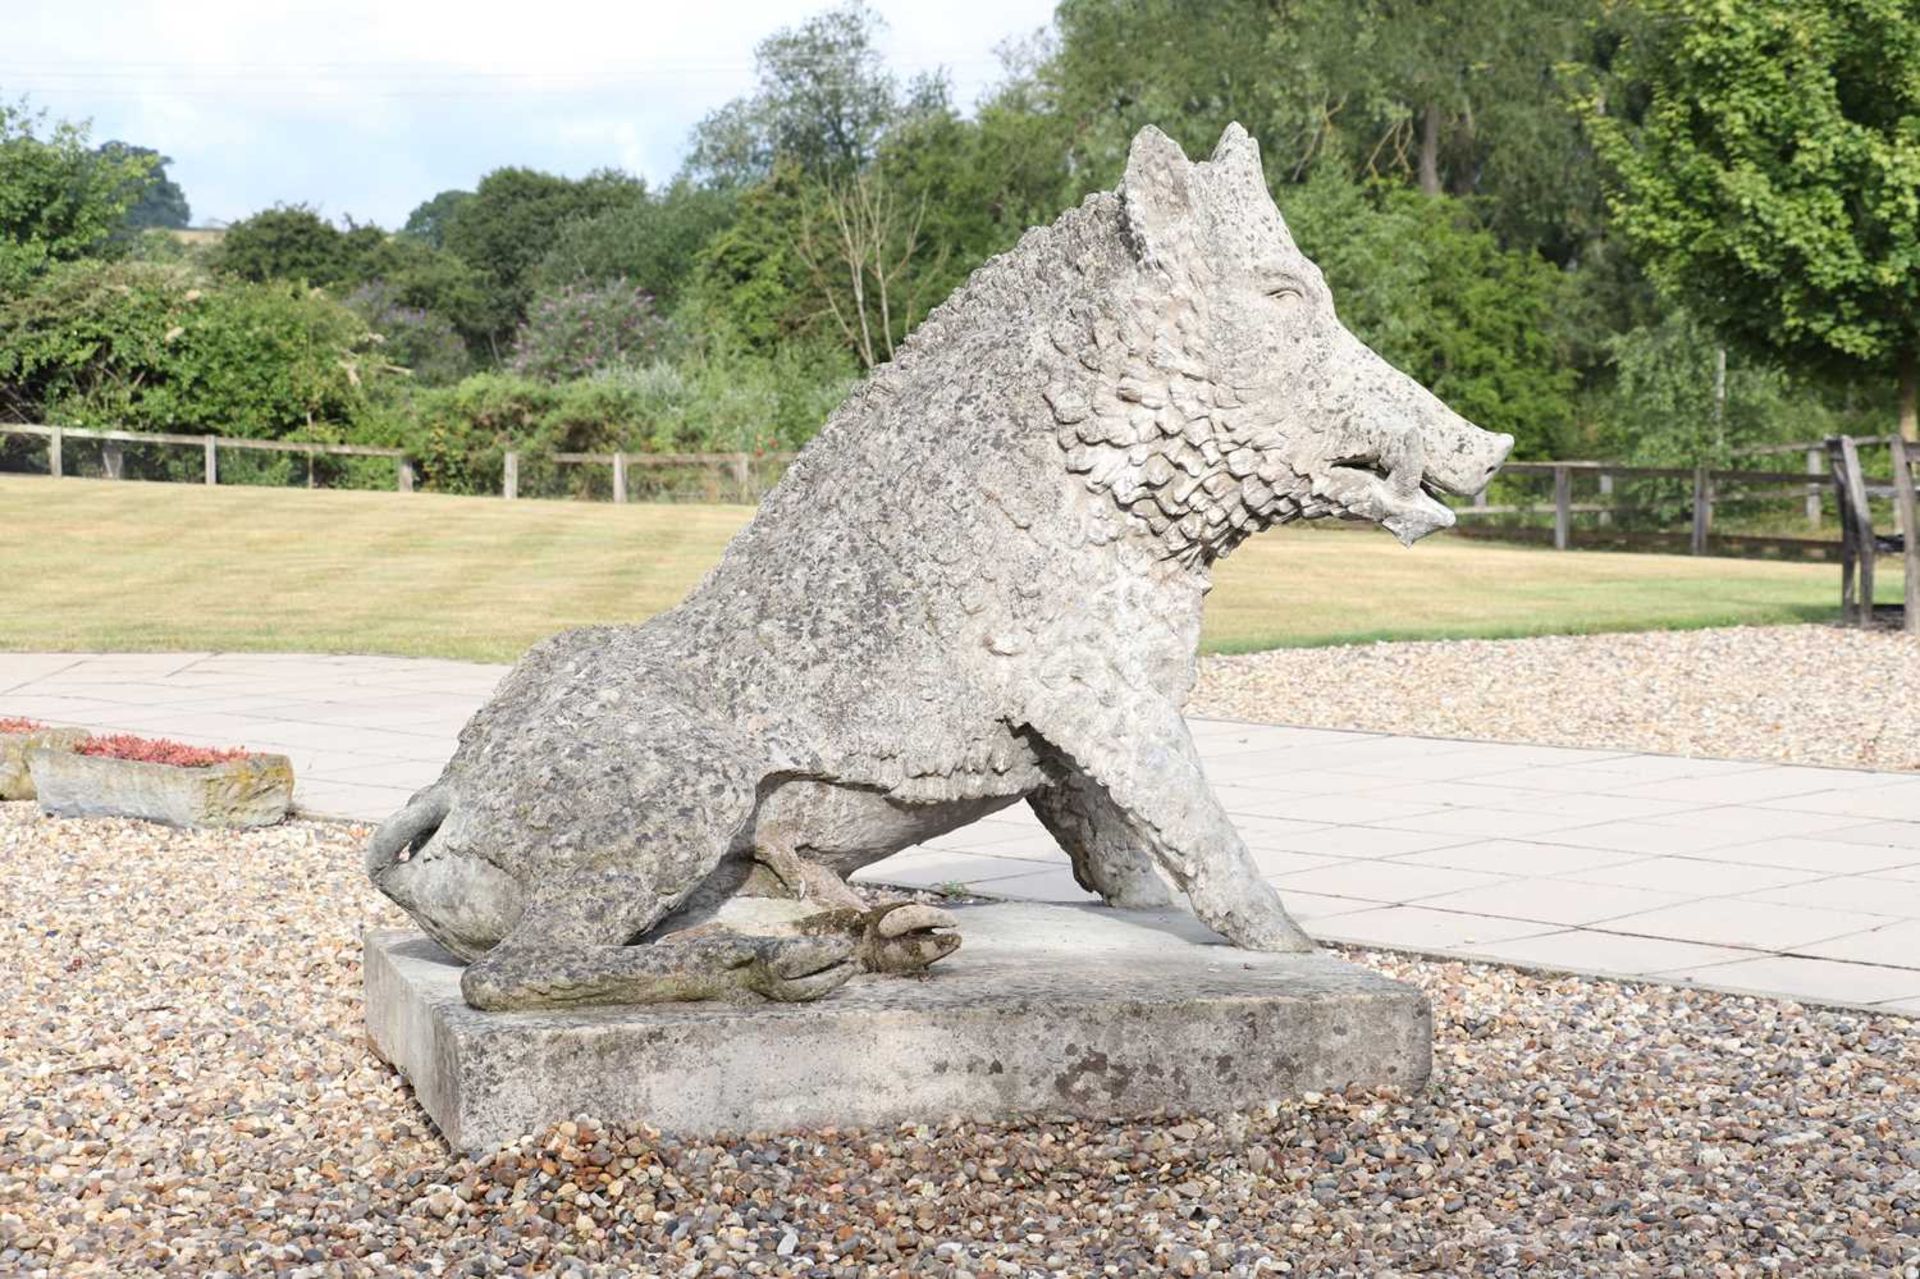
<point x="980" y="584"/>
<point x="16" y="779"/>
<point x="1047" y="1009"/>
<point x="255" y="790"/>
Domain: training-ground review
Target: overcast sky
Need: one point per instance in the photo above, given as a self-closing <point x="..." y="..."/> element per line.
<point x="368" y="108"/>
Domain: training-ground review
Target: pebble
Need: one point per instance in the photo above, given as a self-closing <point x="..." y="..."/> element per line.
<point x="186" y="1088"/>
<point x="1811" y="694"/>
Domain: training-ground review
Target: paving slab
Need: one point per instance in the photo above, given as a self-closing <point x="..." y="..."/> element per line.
<point x="1448" y="847"/>
<point x="1054" y="1010"/>
<point x="1520" y="857"/>
<point x="1895" y="945"/>
<point x="1586" y="950"/>
<point x="1546" y="902"/>
<point x="1395" y="883"/>
<point x="1740" y="921"/>
<point x="1861" y="985"/>
<point x="1419" y="928"/>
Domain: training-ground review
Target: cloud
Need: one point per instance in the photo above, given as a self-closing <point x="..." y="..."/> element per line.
<point x="369" y="108"/>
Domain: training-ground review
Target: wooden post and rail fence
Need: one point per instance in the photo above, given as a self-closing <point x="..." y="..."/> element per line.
<point x="113" y="450"/>
<point x="738" y="469"/>
<point x="744" y="477"/>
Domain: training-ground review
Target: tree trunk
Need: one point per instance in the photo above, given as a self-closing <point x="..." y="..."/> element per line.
<point x="1910" y="394"/>
<point x="1430" y="149"/>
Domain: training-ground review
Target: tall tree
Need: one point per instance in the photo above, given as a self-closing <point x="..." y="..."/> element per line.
<point x="505" y="229"/>
<point x="652" y="242"/>
<point x="428" y="221"/>
<point x="1460" y="96"/>
<point x="823" y="99"/>
<point x="1765" y="165"/>
<point x="162" y="203"/>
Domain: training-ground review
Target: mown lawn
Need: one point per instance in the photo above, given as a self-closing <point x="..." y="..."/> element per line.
<point x="96" y="565"/>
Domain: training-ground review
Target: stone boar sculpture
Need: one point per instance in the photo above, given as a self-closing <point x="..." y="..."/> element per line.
<point x="980" y="584"/>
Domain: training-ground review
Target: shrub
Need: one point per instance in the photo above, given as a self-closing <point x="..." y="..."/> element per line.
<point x="157" y="750"/>
<point x="582" y="329"/>
<point x="700" y="402"/>
<point x="457" y="434"/>
<point x="144" y="346"/>
<point x="424" y="343"/>
<point x="17" y="725"/>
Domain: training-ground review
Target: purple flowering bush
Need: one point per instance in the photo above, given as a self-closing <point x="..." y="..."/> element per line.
<point x="582" y="329"/>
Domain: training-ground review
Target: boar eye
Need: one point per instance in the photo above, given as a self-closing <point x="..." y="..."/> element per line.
<point x="1287" y="292"/>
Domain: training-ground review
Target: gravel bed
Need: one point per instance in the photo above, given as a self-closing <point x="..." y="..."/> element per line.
<point x="1809" y="694"/>
<point x="186" y="1088"/>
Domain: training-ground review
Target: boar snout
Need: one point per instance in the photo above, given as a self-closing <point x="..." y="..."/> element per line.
<point x="1461" y="457"/>
<point x="1402" y="447"/>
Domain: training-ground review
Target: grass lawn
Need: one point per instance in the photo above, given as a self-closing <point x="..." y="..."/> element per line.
<point x="100" y="566"/>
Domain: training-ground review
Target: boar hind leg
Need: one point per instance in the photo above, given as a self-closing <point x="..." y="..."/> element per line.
<point x="537" y="972"/>
<point x="1150" y="773"/>
<point x="1109" y="857"/>
<point x="562" y="956"/>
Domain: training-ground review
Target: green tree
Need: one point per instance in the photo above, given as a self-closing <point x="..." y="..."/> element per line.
<point x="654" y="242"/>
<point x="506" y="228"/>
<point x="976" y="184"/>
<point x="1419" y="280"/>
<point x="162" y="204"/>
<point x="287" y="242"/>
<point x="1764" y="163"/>
<point x="1187" y="66"/>
<point x="1460" y="96"/>
<point x="410" y="273"/>
<point x="59" y="199"/>
<point x="428" y="221"/>
<point x="1664" y="411"/>
<point x="823" y="100"/>
<point x="749" y="285"/>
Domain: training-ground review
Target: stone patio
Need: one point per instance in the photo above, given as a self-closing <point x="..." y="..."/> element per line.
<point x="1779" y="880"/>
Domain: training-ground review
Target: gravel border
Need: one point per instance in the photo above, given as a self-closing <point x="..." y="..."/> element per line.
<point x="186" y="1088"/>
<point x="1804" y="694"/>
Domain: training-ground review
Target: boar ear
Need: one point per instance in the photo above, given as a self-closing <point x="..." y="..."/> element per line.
<point x="1237" y="151"/>
<point x="1156" y="192"/>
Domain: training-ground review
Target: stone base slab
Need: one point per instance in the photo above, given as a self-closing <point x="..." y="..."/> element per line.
<point x="1054" y="1010"/>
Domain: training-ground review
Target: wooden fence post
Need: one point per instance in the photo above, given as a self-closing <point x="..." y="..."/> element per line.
<point x="213" y="461"/>
<point x="1606" y="492"/>
<point x="113" y="460"/>
<point x="56" y="463"/>
<point x="403" y="474"/>
<point x="619" y="477"/>
<point x="743" y="476"/>
<point x="510" y="475"/>
<point x="1816" y="465"/>
<point x="1702" y="509"/>
<point x="1906" y="503"/>
<point x="1562" y="507"/>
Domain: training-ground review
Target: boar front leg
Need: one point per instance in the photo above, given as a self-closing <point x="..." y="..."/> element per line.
<point x="1149" y="773"/>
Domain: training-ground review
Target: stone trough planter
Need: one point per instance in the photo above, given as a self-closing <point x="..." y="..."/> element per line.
<point x="207" y="788"/>
<point x="17" y="737"/>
